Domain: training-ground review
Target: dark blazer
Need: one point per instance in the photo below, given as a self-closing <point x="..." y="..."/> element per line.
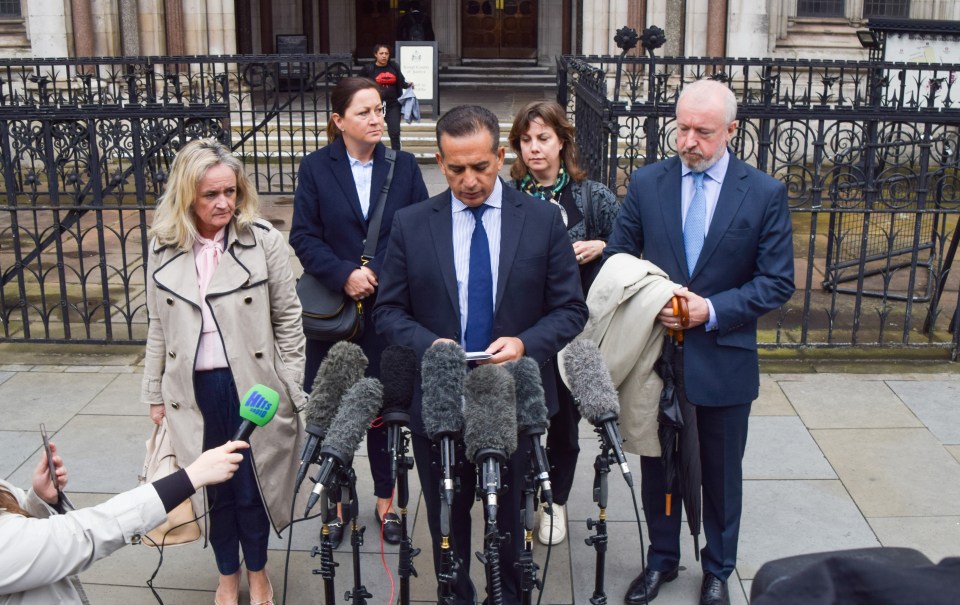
<point x="745" y="268"/>
<point x="538" y="298"/>
<point x="328" y="228"/>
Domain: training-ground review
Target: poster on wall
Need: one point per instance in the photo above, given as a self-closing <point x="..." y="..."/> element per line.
<point x="934" y="49"/>
<point x="418" y="62"/>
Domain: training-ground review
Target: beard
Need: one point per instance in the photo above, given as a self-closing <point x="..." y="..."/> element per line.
<point x="695" y="161"/>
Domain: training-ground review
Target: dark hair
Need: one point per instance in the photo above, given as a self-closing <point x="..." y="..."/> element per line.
<point x="377" y="47"/>
<point x="552" y="116"/>
<point x="342" y="97"/>
<point x="465" y="120"/>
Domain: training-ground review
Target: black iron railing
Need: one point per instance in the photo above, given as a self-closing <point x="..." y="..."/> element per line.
<point x="869" y="153"/>
<point x="86" y="146"/>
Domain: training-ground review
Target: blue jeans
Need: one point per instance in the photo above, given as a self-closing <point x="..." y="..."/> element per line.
<point x="238" y="519"/>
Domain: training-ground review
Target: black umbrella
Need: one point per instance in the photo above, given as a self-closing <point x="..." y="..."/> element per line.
<point x="679" y="444"/>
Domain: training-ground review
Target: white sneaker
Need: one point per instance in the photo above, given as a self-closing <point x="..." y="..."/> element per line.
<point x="558" y="520"/>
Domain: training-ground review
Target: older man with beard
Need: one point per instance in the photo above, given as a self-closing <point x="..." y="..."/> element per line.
<point x="721" y="229"/>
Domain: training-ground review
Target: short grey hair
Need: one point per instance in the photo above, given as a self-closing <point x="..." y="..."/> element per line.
<point x="709" y="92"/>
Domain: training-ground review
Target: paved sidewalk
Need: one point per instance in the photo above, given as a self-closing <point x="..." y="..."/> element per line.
<point x="833" y="461"/>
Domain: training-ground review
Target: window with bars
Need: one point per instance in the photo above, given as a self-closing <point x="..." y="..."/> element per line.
<point x="886" y="8"/>
<point x="819" y="8"/>
<point x="10" y="8"/>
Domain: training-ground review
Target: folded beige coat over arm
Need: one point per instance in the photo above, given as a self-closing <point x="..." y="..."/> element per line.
<point x="624" y="301"/>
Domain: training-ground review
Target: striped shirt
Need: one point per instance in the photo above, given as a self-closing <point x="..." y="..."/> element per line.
<point x="463" y="224"/>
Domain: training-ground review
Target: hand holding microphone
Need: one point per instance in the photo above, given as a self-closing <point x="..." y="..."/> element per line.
<point x="592" y="388"/>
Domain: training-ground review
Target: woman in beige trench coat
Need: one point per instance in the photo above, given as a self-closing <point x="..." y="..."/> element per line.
<point x="224" y="316"/>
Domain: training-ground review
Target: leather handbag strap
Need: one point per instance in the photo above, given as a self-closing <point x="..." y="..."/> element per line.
<point x="373" y="230"/>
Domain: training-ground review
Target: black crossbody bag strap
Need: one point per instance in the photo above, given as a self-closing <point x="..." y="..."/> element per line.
<point x="373" y="230"/>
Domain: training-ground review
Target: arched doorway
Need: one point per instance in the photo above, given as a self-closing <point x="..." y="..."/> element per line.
<point x="499" y="29"/>
<point x="377" y="22"/>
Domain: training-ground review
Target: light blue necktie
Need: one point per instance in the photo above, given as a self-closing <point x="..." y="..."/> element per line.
<point x="693" y="228"/>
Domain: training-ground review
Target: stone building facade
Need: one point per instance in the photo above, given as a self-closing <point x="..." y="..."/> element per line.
<point x="465" y="29"/>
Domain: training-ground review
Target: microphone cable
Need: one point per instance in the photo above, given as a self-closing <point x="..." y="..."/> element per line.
<point x="160" y="548"/>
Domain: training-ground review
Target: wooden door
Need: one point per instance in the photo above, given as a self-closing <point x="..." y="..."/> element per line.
<point x="499" y="29"/>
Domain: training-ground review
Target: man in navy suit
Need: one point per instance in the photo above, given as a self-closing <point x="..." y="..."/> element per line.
<point x="536" y="309"/>
<point x="722" y="229"/>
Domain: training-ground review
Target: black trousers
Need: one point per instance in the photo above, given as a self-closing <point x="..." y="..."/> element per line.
<point x="509" y="520"/>
<point x="563" y="443"/>
<point x="723" y="440"/>
<point x="393" y="123"/>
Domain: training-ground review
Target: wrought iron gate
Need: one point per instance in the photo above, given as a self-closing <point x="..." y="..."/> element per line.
<point x="86" y="147"/>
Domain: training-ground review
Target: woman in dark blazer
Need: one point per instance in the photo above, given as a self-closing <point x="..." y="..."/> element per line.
<point x="337" y="188"/>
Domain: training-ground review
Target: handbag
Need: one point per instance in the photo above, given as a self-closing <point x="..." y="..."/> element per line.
<point x="331" y="315"/>
<point x="181" y="526"/>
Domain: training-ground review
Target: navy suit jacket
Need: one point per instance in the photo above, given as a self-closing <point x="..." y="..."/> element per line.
<point x="745" y="268"/>
<point x="539" y="299"/>
<point x="328" y="229"/>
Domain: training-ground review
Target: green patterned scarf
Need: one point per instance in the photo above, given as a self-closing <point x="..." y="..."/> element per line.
<point x="530" y="185"/>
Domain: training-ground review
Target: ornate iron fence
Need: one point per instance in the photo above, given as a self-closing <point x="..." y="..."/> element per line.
<point x="868" y="152"/>
<point x="86" y="145"/>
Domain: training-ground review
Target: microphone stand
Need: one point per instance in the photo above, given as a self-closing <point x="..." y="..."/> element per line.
<point x="328" y="567"/>
<point x="488" y="488"/>
<point x="528" y="568"/>
<point x="601" y="468"/>
<point x="359" y="594"/>
<point x="397" y="442"/>
<point x="449" y="566"/>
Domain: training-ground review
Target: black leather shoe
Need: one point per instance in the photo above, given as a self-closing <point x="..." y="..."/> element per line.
<point x="391" y="527"/>
<point x="336" y="532"/>
<point x="713" y="591"/>
<point x="652" y="580"/>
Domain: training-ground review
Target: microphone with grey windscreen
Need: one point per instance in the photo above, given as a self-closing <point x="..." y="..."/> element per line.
<point x="532" y="421"/>
<point x="443" y="370"/>
<point x="359" y="407"/>
<point x="592" y="388"/>
<point x="490" y="426"/>
<point x="343" y="366"/>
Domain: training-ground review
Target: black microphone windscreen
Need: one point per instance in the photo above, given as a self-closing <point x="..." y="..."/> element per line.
<point x="589" y="380"/>
<point x="343" y="366"/>
<point x="531" y="402"/>
<point x="443" y="370"/>
<point x="360" y="405"/>
<point x="398" y="373"/>
<point x="490" y="413"/>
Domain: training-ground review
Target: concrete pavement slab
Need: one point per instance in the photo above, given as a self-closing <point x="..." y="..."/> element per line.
<point x="935" y="404"/>
<point x="894" y="472"/>
<point x="120" y="398"/>
<point x="17" y="448"/>
<point x="101" y="455"/>
<point x="786" y="518"/>
<point x="839" y="401"/>
<point x="772" y="401"/>
<point x="954" y="451"/>
<point x="936" y="537"/>
<point x="107" y="594"/>
<point x="30" y="398"/>
<point x="5" y="376"/>
<point x="780" y="447"/>
<point x="623" y="563"/>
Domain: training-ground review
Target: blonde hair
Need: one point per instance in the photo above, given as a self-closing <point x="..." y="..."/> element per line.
<point x="173" y="220"/>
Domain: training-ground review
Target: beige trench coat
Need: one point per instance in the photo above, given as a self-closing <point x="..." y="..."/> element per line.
<point x="253" y="299"/>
